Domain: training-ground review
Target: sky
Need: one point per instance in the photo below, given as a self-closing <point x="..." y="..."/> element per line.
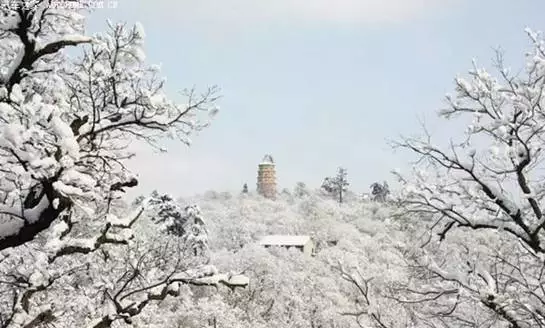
<point x="316" y="83"/>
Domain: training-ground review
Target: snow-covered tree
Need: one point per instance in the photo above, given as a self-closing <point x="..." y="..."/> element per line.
<point x="483" y="198"/>
<point x="286" y="288"/>
<point x="69" y="254"/>
<point x="379" y="191"/>
<point x="65" y="123"/>
<point x="336" y="186"/>
<point x="245" y="188"/>
<point x="69" y="281"/>
<point x="300" y="190"/>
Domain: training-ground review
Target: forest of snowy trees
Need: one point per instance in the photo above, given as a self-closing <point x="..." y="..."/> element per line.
<point x="459" y="244"/>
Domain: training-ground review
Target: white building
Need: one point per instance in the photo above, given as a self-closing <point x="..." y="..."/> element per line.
<point x="304" y="243"/>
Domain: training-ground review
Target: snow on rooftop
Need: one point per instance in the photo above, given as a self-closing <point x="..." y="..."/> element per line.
<point x="284" y="240"/>
<point x="267" y="160"/>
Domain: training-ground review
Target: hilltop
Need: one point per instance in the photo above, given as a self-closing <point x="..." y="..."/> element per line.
<point x="287" y="288"/>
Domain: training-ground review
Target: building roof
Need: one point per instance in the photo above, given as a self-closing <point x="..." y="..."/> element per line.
<point x="284" y="240"/>
<point x="267" y="160"/>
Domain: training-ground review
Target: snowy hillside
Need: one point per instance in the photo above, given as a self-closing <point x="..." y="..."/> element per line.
<point x="239" y="219"/>
<point x="288" y="288"/>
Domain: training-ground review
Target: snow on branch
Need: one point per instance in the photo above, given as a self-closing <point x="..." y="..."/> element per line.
<point x="129" y="303"/>
<point x="61" y="245"/>
<point x="467" y="194"/>
<point x="67" y="122"/>
<point x="362" y="285"/>
<point x="483" y="195"/>
<point x="29" y="54"/>
<point x="19" y="225"/>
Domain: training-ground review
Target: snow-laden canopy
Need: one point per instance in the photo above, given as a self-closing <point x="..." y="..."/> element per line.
<point x="284" y="240"/>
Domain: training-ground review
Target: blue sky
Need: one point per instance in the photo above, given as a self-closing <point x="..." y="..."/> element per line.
<point x="315" y="83"/>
